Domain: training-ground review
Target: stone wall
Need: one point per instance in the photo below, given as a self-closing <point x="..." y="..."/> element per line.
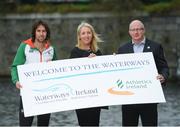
<point x="112" y="29"/>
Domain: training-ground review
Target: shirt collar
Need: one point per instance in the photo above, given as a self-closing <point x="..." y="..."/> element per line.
<point x="31" y="44"/>
<point x="142" y="42"/>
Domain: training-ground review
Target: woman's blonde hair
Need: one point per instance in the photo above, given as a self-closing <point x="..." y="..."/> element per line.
<point x="95" y="37"/>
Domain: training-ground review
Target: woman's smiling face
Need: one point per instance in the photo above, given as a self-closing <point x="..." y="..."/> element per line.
<point x="85" y="35"/>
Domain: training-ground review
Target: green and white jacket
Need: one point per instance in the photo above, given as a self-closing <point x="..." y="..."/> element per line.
<point x="27" y="53"/>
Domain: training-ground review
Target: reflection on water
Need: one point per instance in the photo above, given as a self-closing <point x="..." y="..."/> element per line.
<point x="169" y="112"/>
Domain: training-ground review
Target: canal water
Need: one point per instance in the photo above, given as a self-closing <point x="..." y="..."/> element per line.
<point x="169" y="112"/>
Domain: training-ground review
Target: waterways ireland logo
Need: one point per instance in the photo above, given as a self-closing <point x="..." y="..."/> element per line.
<point x="61" y="87"/>
<point x="118" y="89"/>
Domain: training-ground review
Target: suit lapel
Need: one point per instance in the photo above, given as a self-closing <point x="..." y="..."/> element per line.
<point x="147" y="46"/>
<point x="130" y="48"/>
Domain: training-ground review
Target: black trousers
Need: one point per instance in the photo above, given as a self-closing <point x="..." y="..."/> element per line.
<point x="42" y="120"/>
<point x="147" y="112"/>
<point x="88" y="116"/>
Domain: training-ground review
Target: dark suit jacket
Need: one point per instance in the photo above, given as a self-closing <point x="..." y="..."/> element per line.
<point x="157" y="51"/>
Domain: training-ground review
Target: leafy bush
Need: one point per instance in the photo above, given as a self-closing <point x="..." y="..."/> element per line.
<point x="164" y="8"/>
<point x="159" y="8"/>
<point x="119" y="6"/>
<point x="50" y="8"/>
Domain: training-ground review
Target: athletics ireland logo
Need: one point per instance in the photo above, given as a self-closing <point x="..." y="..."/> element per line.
<point x="119" y="89"/>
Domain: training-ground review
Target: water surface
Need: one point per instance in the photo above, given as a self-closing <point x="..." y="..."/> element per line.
<point x="169" y="112"/>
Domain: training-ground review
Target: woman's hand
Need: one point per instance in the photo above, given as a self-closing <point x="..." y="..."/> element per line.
<point x="92" y="55"/>
<point x="18" y="85"/>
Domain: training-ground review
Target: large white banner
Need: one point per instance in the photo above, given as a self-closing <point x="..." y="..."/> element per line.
<point x="89" y="82"/>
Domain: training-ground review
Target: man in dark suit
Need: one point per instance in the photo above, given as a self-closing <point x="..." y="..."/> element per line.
<point x="139" y="43"/>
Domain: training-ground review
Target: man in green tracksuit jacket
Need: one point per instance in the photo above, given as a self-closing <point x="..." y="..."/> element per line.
<point x="33" y="50"/>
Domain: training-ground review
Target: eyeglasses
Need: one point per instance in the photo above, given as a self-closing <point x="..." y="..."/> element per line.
<point x="138" y="29"/>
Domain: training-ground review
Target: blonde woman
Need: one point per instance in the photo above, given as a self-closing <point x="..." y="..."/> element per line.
<point x="86" y="46"/>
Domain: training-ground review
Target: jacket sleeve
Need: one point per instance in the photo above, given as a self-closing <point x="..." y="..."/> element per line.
<point x="74" y="53"/>
<point x="161" y="62"/>
<point x="19" y="59"/>
<point x="119" y="51"/>
<point x="98" y="53"/>
<point x="123" y="49"/>
<point x="55" y="54"/>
